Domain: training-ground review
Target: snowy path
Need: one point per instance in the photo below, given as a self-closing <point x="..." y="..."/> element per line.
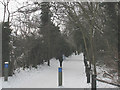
<point x="74" y="75"/>
<point x="46" y="77"/>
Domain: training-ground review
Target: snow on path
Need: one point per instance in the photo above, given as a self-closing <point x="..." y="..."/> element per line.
<point x="74" y="75"/>
<point x="47" y="77"/>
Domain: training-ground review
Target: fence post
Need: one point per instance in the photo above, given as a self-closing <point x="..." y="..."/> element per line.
<point x="6" y="71"/>
<point x="60" y="76"/>
<point x="93" y="82"/>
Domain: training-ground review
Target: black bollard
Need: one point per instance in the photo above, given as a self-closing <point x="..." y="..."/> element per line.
<point x="86" y="69"/>
<point x="94" y="82"/>
<point x="88" y="74"/>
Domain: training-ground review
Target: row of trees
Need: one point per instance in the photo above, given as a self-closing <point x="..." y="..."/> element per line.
<point x="94" y="28"/>
<point x="32" y="42"/>
<point x="89" y="27"/>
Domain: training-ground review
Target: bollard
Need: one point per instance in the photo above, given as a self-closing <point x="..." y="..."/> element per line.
<point x="60" y="76"/>
<point x="6" y="71"/>
<point x="88" y="74"/>
<point x="94" y="82"/>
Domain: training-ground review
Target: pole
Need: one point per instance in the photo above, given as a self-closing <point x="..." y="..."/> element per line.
<point x="88" y="74"/>
<point x="6" y="71"/>
<point x="94" y="82"/>
<point x="60" y="76"/>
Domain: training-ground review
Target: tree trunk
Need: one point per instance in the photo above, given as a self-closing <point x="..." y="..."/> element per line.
<point x="119" y="43"/>
<point x="119" y="56"/>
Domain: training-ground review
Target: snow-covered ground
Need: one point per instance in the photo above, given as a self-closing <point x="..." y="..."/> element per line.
<point x="47" y="77"/>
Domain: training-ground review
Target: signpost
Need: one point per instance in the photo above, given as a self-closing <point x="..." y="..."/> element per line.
<point x="60" y="76"/>
<point x="6" y="71"/>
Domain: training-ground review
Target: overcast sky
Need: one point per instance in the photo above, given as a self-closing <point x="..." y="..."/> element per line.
<point x="13" y="5"/>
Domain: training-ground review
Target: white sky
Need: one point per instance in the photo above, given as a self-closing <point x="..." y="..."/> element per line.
<point x="13" y="5"/>
<point x="1" y="11"/>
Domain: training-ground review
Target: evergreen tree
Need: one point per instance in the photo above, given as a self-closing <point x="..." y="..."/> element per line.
<point x="48" y="30"/>
<point x="45" y="27"/>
